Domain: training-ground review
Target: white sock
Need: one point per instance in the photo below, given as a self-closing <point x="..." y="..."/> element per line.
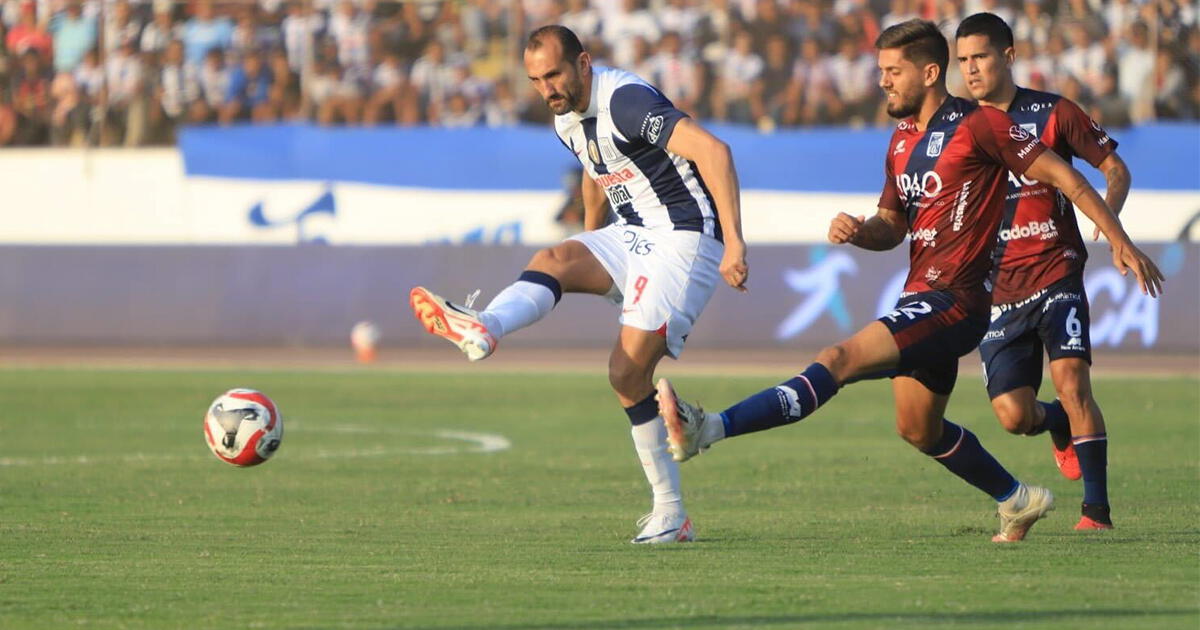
<point x="517" y="306"/>
<point x="650" y="440"/>
<point x="713" y="430"/>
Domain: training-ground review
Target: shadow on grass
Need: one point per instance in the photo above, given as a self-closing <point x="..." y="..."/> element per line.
<point x="1101" y="615"/>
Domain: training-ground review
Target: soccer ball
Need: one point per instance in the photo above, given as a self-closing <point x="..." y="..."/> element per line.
<point x="243" y="427"/>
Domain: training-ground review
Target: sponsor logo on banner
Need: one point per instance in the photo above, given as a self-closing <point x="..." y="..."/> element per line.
<point x="324" y="206"/>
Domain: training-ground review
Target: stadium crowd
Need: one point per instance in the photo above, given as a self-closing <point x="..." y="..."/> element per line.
<point x="128" y="72"/>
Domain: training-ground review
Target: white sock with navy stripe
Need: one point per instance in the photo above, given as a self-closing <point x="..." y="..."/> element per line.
<point x="521" y="303"/>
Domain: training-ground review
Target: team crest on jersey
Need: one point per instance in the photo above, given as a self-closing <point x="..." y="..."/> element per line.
<point x="1030" y="127"/>
<point x="593" y="151"/>
<point x="936" y="139"/>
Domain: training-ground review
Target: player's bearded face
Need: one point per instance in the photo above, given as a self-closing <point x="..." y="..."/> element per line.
<point x="901" y="82"/>
<point x="558" y="81"/>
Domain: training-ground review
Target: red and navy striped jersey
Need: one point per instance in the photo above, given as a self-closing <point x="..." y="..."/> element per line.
<point x="1039" y="241"/>
<point x="951" y="180"/>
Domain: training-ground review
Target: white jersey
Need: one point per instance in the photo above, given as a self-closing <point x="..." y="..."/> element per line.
<point x="621" y="141"/>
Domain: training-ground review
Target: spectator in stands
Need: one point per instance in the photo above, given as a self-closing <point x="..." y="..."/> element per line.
<point x="350" y="28"/>
<point x="678" y="74"/>
<point x="331" y="96"/>
<point x="1134" y="72"/>
<point x="1111" y="108"/>
<point x="120" y="27"/>
<point x="620" y="29"/>
<point x="811" y="95"/>
<point x="777" y="73"/>
<point x="683" y="18"/>
<point x="124" y="122"/>
<point x="286" y="95"/>
<point x="1033" y="25"/>
<point x="582" y="19"/>
<point x="204" y="32"/>
<point x="503" y="109"/>
<point x="854" y="74"/>
<point x="248" y="95"/>
<point x="300" y="30"/>
<point x="387" y="100"/>
<point x="459" y="112"/>
<point x="1170" y="87"/>
<point x="432" y="77"/>
<point x="737" y="94"/>
<point x="29" y="34"/>
<point x="1085" y="59"/>
<point x="68" y="116"/>
<point x="31" y="100"/>
<point x="213" y="81"/>
<point x="172" y="92"/>
<point x="161" y="31"/>
<point x="74" y="34"/>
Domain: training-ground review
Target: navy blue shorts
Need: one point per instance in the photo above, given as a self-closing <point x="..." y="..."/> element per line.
<point x="1055" y="318"/>
<point x="933" y="329"/>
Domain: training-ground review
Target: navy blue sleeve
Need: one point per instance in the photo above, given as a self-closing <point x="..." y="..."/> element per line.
<point x="640" y="111"/>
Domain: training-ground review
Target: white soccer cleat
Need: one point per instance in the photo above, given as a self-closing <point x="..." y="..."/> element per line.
<point x="1020" y="511"/>
<point x="664" y="527"/>
<point x="685" y="423"/>
<point x="457" y="324"/>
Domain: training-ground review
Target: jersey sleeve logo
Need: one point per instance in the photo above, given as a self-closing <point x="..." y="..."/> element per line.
<point x="899" y="147"/>
<point x="1018" y="134"/>
<point x="1030" y="127"/>
<point x="654" y="125"/>
<point x="593" y="151"/>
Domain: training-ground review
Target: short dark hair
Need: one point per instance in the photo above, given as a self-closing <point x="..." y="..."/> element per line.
<point x="989" y="25"/>
<point x="566" y="38"/>
<point x="919" y="41"/>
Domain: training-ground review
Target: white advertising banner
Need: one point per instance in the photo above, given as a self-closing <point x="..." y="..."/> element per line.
<point x="135" y="197"/>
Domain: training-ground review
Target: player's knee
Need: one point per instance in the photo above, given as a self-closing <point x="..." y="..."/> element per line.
<point x="836" y="358"/>
<point x="549" y="260"/>
<point x="1013" y="416"/>
<point x="919" y="435"/>
<point x="1074" y="394"/>
<point x="626" y="377"/>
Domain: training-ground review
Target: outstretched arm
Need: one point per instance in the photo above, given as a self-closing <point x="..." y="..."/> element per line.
<point x="883" y="231"/>
<point x="1050" y="168"/>
<point x="714" y="160"/>
<point x="1117" y="174"/>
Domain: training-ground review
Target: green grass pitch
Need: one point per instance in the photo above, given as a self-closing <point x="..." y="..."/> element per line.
<point x="114" y="514"/>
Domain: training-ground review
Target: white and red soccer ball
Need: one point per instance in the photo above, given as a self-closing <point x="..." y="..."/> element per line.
<point x="243" y="427"/>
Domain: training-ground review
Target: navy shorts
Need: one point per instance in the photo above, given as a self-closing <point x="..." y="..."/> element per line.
<point x="1055" y="318"/>
<point x="933" y="329"/>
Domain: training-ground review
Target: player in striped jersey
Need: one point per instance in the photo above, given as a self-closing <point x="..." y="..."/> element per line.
<point x="674" y="190"/>
<point x="946" y="179"/>
<point x="1038" y="297"/>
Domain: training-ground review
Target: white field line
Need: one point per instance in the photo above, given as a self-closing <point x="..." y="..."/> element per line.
<point x="462" y="443"/>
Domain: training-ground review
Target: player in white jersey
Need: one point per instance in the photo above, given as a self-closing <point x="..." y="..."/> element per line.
<point x="675" y="192"/>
